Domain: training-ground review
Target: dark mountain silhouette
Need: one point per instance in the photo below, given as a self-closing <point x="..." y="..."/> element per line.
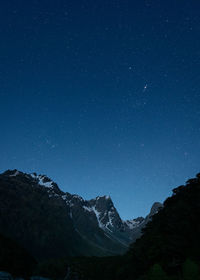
<point x="168" y="248"/>
<point x="173" y="234"/>
<point x="52" y="224"/>
<point x="14" y="258"/>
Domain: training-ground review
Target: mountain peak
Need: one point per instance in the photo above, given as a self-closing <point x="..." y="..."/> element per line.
<point x="106" y="197"/>
<point x="43" y="180"/>
<point x="12" y="173"/>
<point x="155" y="208"/>
<point x="97" y="219"/>
<point x="106" y="213"/>
<point x="33" y="178"/>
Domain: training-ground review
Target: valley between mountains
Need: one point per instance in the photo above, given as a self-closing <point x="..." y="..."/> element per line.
<point x="50" y="223"/>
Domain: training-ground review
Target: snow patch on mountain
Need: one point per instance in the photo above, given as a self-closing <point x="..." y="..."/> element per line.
<point x="97" y="213"/>
<point x="110" y="218"/>
<point x="43" y="180"/>
<point x="77" y="197"/>
<point x="100" y="216"/>
<point x="89" y="209"/>
<point x="67" y="200"/>
<point x="100" y="211"/>
<point x="103" y="196"/>
<point x="16" y="172"/>
<point x="131" y="224"/>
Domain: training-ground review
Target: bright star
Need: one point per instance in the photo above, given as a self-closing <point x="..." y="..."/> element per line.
<point x="145" y="87"/>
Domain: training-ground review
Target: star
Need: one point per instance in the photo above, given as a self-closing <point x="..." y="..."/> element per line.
<point x="145" y="88"/>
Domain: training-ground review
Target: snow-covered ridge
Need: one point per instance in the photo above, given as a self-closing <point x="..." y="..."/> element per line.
<point x="42" y="180"/>
<point x="101" y="206"/>
<point x="89" y="209"/>
<point x="100" y="216"/>
<point x="104" y="216"/>
<point x="131" y="224"/>
<point x="77" y="197"/>
<point x="103" y="196"/>
<point x="99" y="211"/>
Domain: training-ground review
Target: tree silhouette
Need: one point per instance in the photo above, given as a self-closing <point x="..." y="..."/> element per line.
<point x="190" y="270"/>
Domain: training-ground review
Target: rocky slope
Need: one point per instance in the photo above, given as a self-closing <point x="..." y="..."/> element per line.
<point x="50" y="223"/>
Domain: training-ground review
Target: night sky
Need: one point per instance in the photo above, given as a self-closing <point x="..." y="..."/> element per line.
<point x="102" y="96"/>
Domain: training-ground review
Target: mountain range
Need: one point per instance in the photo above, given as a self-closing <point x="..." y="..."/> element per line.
<point x="50" y="223"/>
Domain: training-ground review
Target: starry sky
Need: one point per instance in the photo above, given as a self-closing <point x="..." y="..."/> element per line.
<point x="102" y="96"/>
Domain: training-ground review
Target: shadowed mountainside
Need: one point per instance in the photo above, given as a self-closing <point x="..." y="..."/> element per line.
<point x="50" y="223"/>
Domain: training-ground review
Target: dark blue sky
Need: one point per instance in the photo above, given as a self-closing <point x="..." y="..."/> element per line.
<point x="102" y="96"/>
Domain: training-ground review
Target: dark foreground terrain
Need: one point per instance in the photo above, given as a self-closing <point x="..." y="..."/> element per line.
<point x="169" y="248"/>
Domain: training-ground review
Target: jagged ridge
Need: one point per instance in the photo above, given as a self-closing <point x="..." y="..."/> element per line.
<point x="93" y="224"/>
